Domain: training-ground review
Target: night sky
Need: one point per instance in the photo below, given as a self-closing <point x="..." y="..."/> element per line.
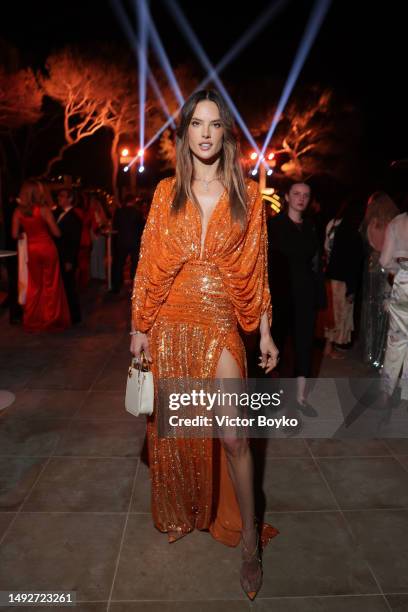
<point x="360" y="50"/>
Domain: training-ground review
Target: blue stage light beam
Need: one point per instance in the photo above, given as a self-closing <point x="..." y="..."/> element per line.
<point x="260" y="23"/>
<point x="142" y="15"/>
<point x="155" y="86"/>
<point x="269" y="13"/>
<point x="162" y="55"/>
<point x="133" y="42"/>
<point x="314" y="23"/>
<point x="196" y="45"/>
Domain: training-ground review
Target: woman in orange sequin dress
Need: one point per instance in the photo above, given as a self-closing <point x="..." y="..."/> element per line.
<point x="202" y="272"/>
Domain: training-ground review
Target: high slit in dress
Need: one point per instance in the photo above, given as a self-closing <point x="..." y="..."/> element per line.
<point x="189" y="299"/>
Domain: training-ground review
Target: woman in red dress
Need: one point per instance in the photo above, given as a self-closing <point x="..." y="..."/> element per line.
<point x="46" y="306"/>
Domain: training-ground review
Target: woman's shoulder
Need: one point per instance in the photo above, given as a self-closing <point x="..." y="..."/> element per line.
<point x="166" y="184"/>
<point x="252" y="187"/>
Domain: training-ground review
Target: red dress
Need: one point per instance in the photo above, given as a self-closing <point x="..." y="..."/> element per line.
<point x="46" y="306"/>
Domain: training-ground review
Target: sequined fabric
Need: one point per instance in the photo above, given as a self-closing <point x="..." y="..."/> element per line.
<point x="190" y="304"/>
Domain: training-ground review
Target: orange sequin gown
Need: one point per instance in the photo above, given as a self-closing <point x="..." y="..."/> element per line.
<point x="190" y="304"/>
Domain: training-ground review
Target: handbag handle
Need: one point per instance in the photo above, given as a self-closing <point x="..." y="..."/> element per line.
<point x="143" y="364"/>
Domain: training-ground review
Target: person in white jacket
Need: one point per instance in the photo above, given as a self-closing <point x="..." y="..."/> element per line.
<point x="394" y="259"/>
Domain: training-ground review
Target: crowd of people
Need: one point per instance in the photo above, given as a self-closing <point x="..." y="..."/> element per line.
<point x="211" y="256"/>
<point x="61" y="239"/>
<point x="317" y="271"/>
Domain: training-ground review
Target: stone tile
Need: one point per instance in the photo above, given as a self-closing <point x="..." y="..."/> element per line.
<point x="67" y="376"/>
<point x="79" y="607"/>
<point x="361" y="603"/>
<point x="102" y="438"/>
<point x="46" y="403"/>
<point x="5" y="520"/>
<point x="403" y="459"/>
<point x="195" y="568"/>
<point x="295" y="484"/>
<point x="383" y="538"/>
<point x="353" y="447"/>
<point x="399" y="446"/>
<point x="180" y="606"/>
<point x="83" y="485"/>
<point x="141" y="501"/>
<point x="362" y="482"/>
<point x="76" y="552"/>
<point x="314" y="554"/>
<point x="13" y="357"/>
<point x="17" y="476"/>
<point x="278" y="447"/>
<point x="111" y="379"/>
<point x="15" y="379"/>
<point x="398" y="603"/>
<point x="104" y="405"/>
<point x="31" y="437"/>
<point x="119" y="359"/>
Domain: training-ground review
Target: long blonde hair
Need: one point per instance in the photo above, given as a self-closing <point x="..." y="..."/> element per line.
<point x="230" y="167"/>
<point x="32" y="192"/>
<point x="381" y="208"/>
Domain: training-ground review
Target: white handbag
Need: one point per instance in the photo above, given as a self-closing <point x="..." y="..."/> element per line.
<point x="139" y="388"/>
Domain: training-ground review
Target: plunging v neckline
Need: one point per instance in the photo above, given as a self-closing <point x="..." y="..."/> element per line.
<point x="216" y="205"/>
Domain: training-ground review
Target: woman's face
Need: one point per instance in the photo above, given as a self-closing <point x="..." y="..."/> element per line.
<point x="205" y="132"/>
<point x="298" y="197"/>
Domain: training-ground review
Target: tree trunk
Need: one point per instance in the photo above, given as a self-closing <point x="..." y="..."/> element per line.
<point x="115" y="165"/>
<point x="56" y="158"/>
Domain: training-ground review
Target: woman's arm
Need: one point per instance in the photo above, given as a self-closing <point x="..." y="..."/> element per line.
<point x="162" y="255"/>
<point x="265" y="328"/>
<point x="50" y="221"/>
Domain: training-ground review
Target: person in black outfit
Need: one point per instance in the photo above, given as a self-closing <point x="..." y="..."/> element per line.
<point x="68" y="246"/>
<point x="294" y="273"/>
<point x="15" y="310"/>
<point x="344" y="269"/>
<point x="128" y="222"/>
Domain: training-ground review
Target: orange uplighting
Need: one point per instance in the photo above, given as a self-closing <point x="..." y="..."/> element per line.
<point x="271" y="155"/>
<point x="254" y="155"/>
<point x="125" y="152"/>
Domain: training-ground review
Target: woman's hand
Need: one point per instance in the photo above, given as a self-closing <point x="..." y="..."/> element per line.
<point x="139" y="343"/>
<point x="269" y="353"/>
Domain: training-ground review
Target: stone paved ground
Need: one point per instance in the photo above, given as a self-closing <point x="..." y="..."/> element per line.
<point x="74" y="495"/>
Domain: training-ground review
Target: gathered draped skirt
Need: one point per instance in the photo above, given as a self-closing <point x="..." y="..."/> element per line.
<point x="191" y="486"/>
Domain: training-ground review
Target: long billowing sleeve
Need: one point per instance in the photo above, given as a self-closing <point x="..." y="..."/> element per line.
<point x="159" y="261"/>
<point x="387" y="260"/>
<point x="245" y="271"/>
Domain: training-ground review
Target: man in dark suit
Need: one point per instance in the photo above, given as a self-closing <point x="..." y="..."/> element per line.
<point x="128" y="222"/>
<point x="68" y="245"/>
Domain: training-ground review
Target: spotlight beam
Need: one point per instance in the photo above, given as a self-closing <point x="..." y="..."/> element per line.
<point x="155" y="86"/>
<point x="196" y="45"/>
<point x="162" y="56"/>
<point x="314" y="23"/>
<point x="261" y="22"/>
<point x="245" y="39"/>
<point x="133" y="42"/>
<point x="142" y="60"/>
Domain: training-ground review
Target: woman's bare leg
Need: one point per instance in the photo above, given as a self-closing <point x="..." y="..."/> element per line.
<point x="240" y="467"/>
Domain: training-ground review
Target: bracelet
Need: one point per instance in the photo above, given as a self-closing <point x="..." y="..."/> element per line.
<point x="133" y="333"/>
